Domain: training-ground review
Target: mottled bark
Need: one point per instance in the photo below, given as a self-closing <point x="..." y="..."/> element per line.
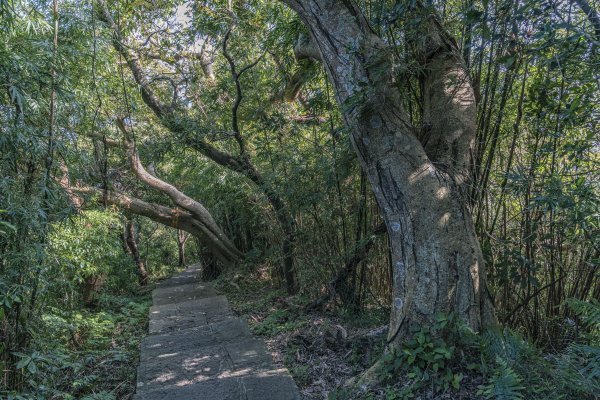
<point x="172" y="217"/>
<point x="182" y="239"/>
<point x="437" y="261"/>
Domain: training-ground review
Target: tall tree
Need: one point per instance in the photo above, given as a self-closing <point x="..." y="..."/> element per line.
<point x="419" y="176"/>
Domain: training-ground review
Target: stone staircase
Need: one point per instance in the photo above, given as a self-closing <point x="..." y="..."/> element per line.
<point x="198" y="350"/>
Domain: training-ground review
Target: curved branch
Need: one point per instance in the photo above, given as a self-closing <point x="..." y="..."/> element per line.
<point x="238" y="95"/>
<point x="592" y="16"/>
<point x="238" y="91"/>
<point x="199" y="212"/>
<point x="148" y="95"/>
<point x="306" y="48"/>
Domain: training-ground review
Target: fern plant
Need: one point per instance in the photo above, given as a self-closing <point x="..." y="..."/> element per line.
<point x="578" y="366"/>
<point x="505" y="383"/>
<point x="588" y="313"/>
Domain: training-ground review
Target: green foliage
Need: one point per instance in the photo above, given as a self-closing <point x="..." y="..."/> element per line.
<point x="88" y="245"/>
<point x="589" y="314"/>
<point x="578" y="366"/>
<point x="278" y="321"/>
<point x="537" y="214"/>
<point x="427" y="358"/>
<point x="86" y="354"/>
<point x="504" y="384"/>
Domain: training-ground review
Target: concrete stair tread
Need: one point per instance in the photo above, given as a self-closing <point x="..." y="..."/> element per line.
<point x="198" y="350"/>
<point x="179" y="293"/>
<point x="271" y="385"/>
<point x="243" y="357"/>
<point x="230" y="330"/>
<point x="188" y="314"/>
<point x="206" y="303"/>
<point x="183" y="278"/>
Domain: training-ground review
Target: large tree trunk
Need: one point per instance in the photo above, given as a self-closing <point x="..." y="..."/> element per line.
<point x="437" y="260"/>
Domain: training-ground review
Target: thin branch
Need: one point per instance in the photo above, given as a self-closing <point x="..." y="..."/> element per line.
<point x="238" y="97"/>
<point x="148" y="95"/>
<point x="361" y="252"/>
<point x="238" y="90"/>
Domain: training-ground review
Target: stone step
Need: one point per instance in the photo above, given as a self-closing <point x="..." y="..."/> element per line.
<point x="272" y="385"/>
<point x="198" y="350"/>
<point x="178" y="316"/>
<point x="187" y="340"/>
<point x="235" y="359"/>
<point x="179" y="293"/>
<point x="183" y="278"/>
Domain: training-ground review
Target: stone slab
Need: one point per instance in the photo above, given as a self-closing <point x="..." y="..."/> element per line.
<point x="198" y="350"/>
<point x="179" y="293"/>
<point x="214" y="303"/>
<point x="179" y="316"/>
<point x="231" y="329"/>
<point x="221" y="389"/>
<point x="268" y="385"/>
<point x="248" y="356"/>
<point x="183" y="278"/>
<point x="277" y="385"/>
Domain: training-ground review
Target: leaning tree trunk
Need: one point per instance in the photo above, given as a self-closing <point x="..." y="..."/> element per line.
<point x="192" y="217"/>
<point x="131" y="243"/>
<point x="182" y="239"/>
<point x="437" y="261"/>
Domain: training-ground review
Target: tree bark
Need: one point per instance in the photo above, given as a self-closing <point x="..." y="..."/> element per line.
<point x="171" y="217"/>
<point x="200" y="213"/>
<point x="181" y="241"/>
<point x="131" y="243"/>
<point x="437" y="261"/>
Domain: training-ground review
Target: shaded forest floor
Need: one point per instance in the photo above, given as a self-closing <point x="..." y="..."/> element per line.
<point x="91" y="353"/>
<point x="321" y="350"/>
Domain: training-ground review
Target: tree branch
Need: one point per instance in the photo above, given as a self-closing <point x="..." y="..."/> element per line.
<point x="148" y="95"/>
<point x="199" y="212"/>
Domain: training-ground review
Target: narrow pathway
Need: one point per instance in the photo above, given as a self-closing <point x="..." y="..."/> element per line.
<point x="198" y="350"/>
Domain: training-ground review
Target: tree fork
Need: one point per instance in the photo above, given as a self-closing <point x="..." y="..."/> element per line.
<point x="436" y="257"/>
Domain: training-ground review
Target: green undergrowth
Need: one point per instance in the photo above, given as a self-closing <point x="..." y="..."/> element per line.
<point x="449" y="361"/>
<point x="86" y="353"/>
<point x="267" y="308"/>
<point x="443" y="361"/>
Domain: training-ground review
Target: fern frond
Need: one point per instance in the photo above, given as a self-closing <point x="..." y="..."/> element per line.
<point x="587" y="311"/>
<point x="505" y="384"/>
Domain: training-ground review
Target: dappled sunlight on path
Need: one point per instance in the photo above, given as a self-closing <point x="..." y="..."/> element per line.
<point x="197" y="349"/>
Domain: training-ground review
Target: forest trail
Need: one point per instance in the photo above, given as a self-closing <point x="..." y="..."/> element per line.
<point x="198" y="350"/>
